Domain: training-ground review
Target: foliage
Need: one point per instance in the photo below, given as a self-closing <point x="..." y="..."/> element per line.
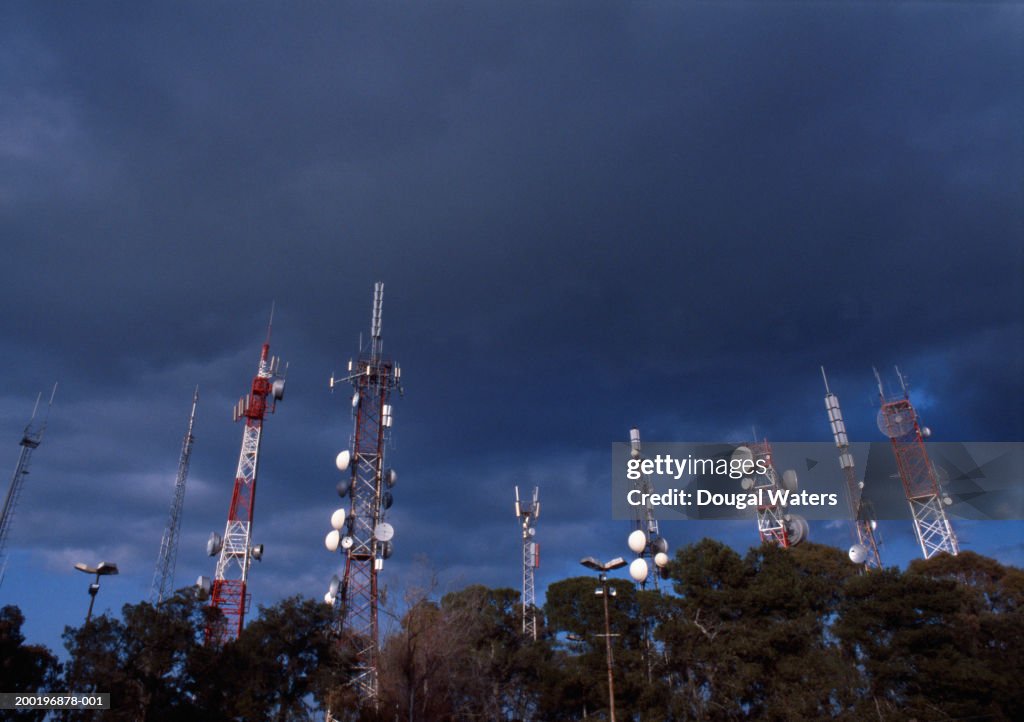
<point x="772" y="634"/>
<point x="23" y="667"/>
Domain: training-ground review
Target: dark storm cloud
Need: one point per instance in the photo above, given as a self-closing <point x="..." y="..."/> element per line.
<point x="587" y="218"/>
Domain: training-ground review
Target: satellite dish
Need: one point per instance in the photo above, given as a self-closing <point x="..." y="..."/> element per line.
<point x="747" y="483"/>
<point x="328" y="599"/>
<point x="789" y="481"/>
<point x="660" y="545"/>
<point x="874" y="525"/>
<point x="343" y="486"/>
<point x="895" y="423"/>
<point x="342" y="460"/>
<point x="926" y="432"/>
<point x="798" y="529"/>
<point x="355" y="398"/>
<point x="347" y="542"/>
<point x="278" y="389"/>
<point x="947" y="500"/>
<point x="332" y="540"/>
<point x="387" y="499"/>
<point x="638" y="570"/>
<point x="338" y="519"/>
<point x="386" y="550"/>
<point x="742" y="453"/>
<point x="203" y="587"/>
<point x="637" y="541"/>
<point x="858" y="554"/>
<point x="257" y="552"/>
<point x="335" y="585"/>
<point x="390" y="477"/>
<point x="661" y="559"/>
<point x="383" y="532"/>
<point x="213" y="544"/>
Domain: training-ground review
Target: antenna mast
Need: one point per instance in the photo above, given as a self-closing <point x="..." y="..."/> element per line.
<point x="235" y="548"/>
<point x="898" y="420"/>
<point x="30" y="440"/>
<point x="360" y="531"/>
<point x="527" y="512"/>
<point x="865" y="549"/>
<point x="645" y="540"/>
<point x="163" y="575"/>
<point x="775" y="525"/>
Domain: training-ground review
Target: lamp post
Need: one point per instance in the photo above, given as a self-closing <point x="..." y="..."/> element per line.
<point x="605" y="591"/>
<point x="101" y="570"/>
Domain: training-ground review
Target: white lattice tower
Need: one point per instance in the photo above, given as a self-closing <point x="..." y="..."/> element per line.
<point x="527" y="512"/>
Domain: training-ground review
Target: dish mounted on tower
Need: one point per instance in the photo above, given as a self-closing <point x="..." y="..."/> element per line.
<point x="235" y="550"/>
<point x="865" y="547"/>
<point x="774" y="523"/>
<point x="360" y="531"/>
<point x="898" y="420"/>
<point x="527" y="512"/>
<point x="645" y="540"/>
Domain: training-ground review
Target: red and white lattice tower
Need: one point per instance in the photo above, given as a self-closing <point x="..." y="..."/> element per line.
<point x="528" y="512"/>
<point x="775" y="524"/>
<point x="898" y="420"/>
<point x="360" y="532"/>
<point x="645" y="540"/>
<point x="235" y="550"/>
<point x="865" y="548"/>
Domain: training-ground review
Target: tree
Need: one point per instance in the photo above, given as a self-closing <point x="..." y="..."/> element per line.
<point x="24" y="667"/>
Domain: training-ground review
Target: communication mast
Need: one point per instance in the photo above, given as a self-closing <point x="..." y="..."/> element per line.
<point x="235" y="549"/>
<point x="360" y="531"/>
<point x="775" y="524"/>
<point x="30" y="440"/>
<point x="163" y="576"/>
<point x="645" y="540"/>
<point x="527" y="512"/>
<point x="865" y="549"/>
<point x="898" y="420"/>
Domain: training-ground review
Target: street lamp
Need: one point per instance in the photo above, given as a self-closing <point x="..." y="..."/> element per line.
<point x="101" y="570"/>
<point x="605" y="591"/>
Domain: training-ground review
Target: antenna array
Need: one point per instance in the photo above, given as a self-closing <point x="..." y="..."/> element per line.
<point x="898" y="420"/>
<point x="360" y="530"/>
<point x="527" y="512"/>
<point x="645" y="540"/>
<point x="235" y="550"/>
<point x="865" y="548"/>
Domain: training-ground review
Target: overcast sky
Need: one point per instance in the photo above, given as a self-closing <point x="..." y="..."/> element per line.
<point x="588" y="216"/>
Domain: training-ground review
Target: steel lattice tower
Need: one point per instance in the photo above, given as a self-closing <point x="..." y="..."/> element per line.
<point x="771" y="522"/>
<point x="31" y="438"/>
<point x="898" y="420"/>
<point x="527" y="512"/>
<point x="775" y="524"/>
<point x="163" y="575"/>
<point x="365" y="539"/>
<point x="228" y="591"/>
<point x="865" y="551"/>
<point x="646" y="523"/>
